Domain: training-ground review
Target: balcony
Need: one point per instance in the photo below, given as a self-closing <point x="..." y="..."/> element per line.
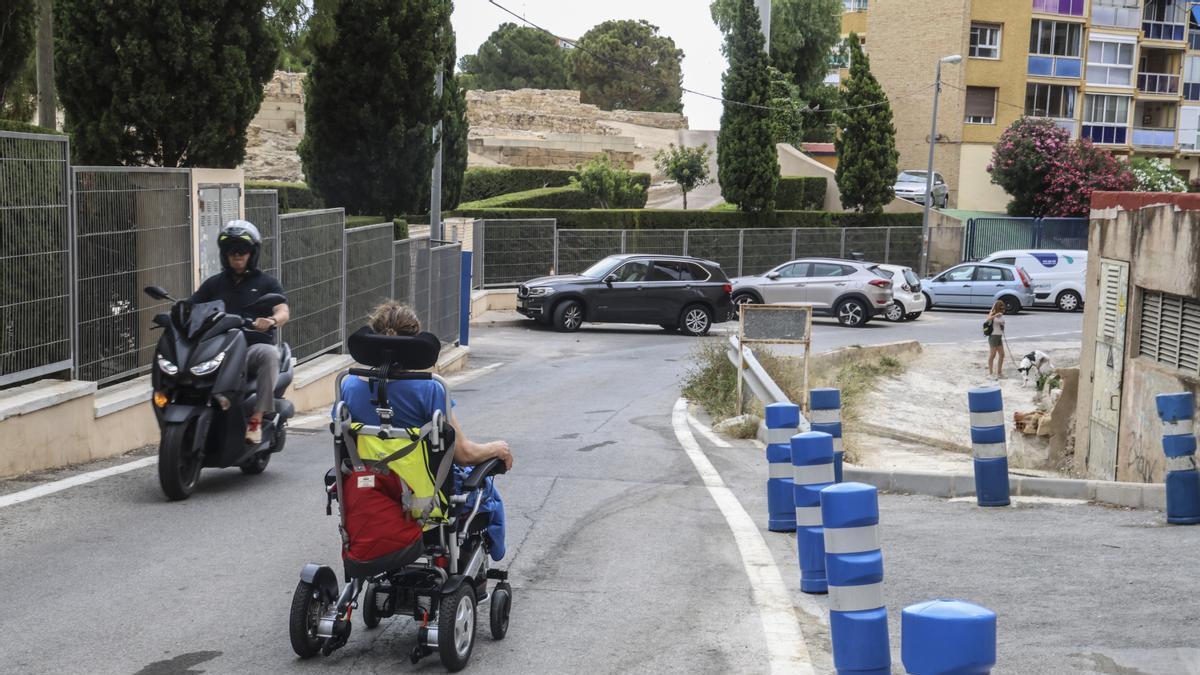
<point x="1164" y="30"/>
<point x="1061" y="7"/>
<point x="1071" y="126"/>
<point x="1158" y="83"/>
<point x="1191" y="91"/>
<point x="1055" y="66"/>
<point x="1149" y="137"/>
<point x="1188" y="142"/>
<point x="1116" y="17"/>
<point x="1107" y="134"/>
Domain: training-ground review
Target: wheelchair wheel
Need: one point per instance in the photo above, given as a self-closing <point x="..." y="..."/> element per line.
<point x="456" y="627"/>
<point x="500" y="609"/>
<point x="309" y="604"/>
<point x="370" y="610"/>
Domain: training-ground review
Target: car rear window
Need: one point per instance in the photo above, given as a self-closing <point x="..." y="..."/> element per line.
<point x="880" y="272"/>
<point x="911" y="278"/>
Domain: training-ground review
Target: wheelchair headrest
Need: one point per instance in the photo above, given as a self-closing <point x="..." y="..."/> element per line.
<point x="406" y="352"/>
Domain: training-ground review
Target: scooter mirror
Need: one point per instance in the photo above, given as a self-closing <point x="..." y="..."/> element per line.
<point x="157" y="292"/>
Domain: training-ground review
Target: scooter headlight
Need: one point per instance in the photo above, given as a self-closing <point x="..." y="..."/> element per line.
<point x="166" y="366"/>
<point x="209" y="365"/>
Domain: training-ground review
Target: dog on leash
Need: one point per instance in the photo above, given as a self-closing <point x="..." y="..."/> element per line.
<point x="1035" y="360"/>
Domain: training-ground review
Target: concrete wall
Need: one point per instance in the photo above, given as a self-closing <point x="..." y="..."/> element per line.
<point x="907" y="39"/>
<point x="792" y="162"/>
<point x="1161" y="243"/>
<point x="976" y="190"/>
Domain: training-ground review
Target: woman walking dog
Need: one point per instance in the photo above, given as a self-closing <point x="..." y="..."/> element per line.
<point x="993" y="328"/>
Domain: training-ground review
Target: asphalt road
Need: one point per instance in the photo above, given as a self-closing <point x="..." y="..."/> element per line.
<point x="621" y="561"/>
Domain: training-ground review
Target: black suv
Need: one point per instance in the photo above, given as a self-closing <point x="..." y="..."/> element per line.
<point x="672" y="291"/>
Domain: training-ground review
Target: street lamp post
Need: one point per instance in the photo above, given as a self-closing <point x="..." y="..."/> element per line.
<point x="937" y="89"/>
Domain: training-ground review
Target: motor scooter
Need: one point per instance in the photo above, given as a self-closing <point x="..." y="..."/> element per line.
<point x="203" y="395"/>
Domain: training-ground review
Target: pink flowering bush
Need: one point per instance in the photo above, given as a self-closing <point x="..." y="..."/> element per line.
<point x="1074" y="174"/>
<point x="1048" y="174"/>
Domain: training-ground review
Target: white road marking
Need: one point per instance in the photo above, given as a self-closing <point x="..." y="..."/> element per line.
<point x="786" y="649"/>
<point x="79" y="479"/>
<point x="1029" y="499"/>
<point x="310" y="421"/>
<point x="707" y="433"/>
<point x="457" y="379"/>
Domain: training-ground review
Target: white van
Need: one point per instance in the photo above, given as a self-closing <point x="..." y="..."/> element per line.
<point x="1058" y="275"/>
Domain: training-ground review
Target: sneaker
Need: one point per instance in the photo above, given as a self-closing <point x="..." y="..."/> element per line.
<point x="254" y="431"/>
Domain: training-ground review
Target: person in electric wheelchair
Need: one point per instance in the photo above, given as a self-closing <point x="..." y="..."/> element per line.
<point x="419" y="514"/>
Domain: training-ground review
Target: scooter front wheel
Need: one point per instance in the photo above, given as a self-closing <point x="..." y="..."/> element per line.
<point x="178" y="464"/>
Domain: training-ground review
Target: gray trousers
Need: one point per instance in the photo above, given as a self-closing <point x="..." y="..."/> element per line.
<point x="263" y="359"/>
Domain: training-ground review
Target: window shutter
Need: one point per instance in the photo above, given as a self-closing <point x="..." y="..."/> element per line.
<point x="981" y="101"/>
<point x="1110" y="294"/>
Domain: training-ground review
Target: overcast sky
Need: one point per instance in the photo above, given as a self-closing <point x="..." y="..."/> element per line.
<point x="688" y="22"/>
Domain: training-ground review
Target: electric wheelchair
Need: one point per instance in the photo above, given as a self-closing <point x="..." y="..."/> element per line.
<point x="393" y="485"/>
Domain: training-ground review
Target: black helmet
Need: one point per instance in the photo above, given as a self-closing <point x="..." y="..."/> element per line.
<point x="237" y="236"/>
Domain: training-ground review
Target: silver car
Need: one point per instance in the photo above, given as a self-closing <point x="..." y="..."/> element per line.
<point x="910" y="185"/>
<point x="850" y="290"/>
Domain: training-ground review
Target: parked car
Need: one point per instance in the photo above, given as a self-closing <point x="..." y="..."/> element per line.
<point x="850" y="290"/>
<point x="910" y="185"/>
<point x="1058" y="275"/>
<point x="979" y="285"/>
<point x="675" y="292"/>
<point x="908" y="302"/>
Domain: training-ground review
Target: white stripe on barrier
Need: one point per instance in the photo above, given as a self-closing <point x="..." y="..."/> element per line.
<point x="855" y="598"/>
<point x="837" y="444"/>
<point x="780" y="470"/>
<point x="988" y="450"/>
<point x="1180" y="428"/>
<point x="813" y="474"/>
<point x="780" y="436"/>
<point x="1185" y="463"/>
<point x="808" y="516"/>
<point x="825" y="416"/>
<point x="852" y="539"/>
<point x="988" y="419"/>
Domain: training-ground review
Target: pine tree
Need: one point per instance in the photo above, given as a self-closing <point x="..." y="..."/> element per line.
<point x="145" y="82"/>
<point x="866" y="147"/>
<point x="371" y="107"/>
<point x="515" y="57"/>
<point x="747" y="166"/>
<point x="605" y="68"/>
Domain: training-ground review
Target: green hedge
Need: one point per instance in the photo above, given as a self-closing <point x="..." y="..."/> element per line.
<point x="399" y="226"/>
<point x="656" y="219"/>
<point x="486" y="182"/>
<point x="569" y="197"/>
<point x="292" y="196"/>
<point x="14" y="125"/>
<point x="800" y="193"/>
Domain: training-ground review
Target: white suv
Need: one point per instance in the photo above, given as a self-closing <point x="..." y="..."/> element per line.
<point x="850" y="290"/>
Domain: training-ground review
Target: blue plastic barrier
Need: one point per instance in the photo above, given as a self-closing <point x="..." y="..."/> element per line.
<point x="812" y="467"/>
<point x="947" y="637"/>
<point x="1179" y="445"/>
<point x="782" y="420"/>
<point x="825" y="414"/>
<point x="858" y="624"/>
<point x="988" y="446"/>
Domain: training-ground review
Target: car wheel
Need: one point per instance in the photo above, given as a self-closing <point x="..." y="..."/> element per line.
<point x="695" y="320"/>
<point x="568" y="316"/>
<point x="912" y="316"/>
<point x="928" y="302"/>
<point x="852" y="313"/>
<point x="1011" y="305"/>
<point x="895" y="312"/>
<point x="1068" y="301"/>
<point x="740" y="299"/>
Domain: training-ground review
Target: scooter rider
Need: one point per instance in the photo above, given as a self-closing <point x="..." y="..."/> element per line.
<point x="238" y="285"/>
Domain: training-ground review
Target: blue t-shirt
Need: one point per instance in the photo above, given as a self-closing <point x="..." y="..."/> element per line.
<point x="412" y="401"/>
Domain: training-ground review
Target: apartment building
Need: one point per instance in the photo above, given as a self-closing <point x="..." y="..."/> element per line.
<point x="1123" y="73"/>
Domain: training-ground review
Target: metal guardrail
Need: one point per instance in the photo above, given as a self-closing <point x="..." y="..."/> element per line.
<point x="757" y="378"/>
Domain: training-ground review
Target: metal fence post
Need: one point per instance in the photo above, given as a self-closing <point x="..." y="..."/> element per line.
<point x="342" y="309"/>
<point x="887" y="246"/>
<point x="843" y="253"/>
<point x="793" y="255"/>
<point x="554" y="235"/>
<point x="623" y="233"/>
<point x="464" y="300"/>
<point x="1036" y="231"/>
<point x="685" y="242"/>
<point x="741" y="249"/>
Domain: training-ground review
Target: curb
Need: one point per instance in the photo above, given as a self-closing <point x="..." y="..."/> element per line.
<point x="871" y="429"/>
<point x="1128" y="495"/>
<point x="502" y="323"/>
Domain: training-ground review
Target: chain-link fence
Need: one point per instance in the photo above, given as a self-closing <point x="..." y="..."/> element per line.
<point x="312" y="274"/>
<point x="262" y="209"/>
<point x="369" y="274"/>
<point x="133" y="228"/>
<point x="35" y="256"/>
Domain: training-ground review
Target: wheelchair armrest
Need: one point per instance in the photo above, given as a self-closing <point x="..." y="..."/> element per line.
<point x="492" y="467"/>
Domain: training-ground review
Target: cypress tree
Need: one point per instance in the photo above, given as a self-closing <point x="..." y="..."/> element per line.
<point x="747" y="166"/>
<point x="371" y="107"/>
<point x="866" y="146"/>
<point x="18" y="20"/>
<point x="145" y="82"/>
